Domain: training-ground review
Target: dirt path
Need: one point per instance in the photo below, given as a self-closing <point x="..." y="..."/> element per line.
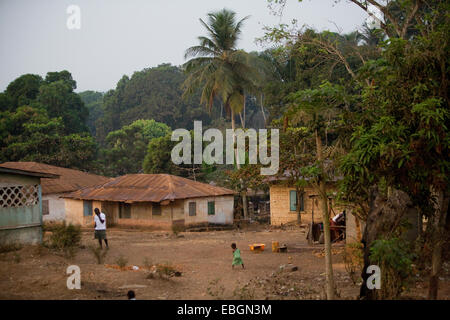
<point x="204" y="259"/>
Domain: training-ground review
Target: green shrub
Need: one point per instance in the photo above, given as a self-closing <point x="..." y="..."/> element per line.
<point x="394" y="257"/>
<point x="65" y="236"/>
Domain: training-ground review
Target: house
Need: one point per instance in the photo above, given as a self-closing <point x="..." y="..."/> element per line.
<point x="283" y="206"/>
<point x="53" y="207"/>
<point x="21" y="205"/>
<point x="158" y="200"/>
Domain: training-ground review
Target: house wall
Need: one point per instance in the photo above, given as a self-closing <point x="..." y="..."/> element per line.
<point x="280" y="212"/>
<point x="141" y="214"/>
<point x="74" y="213"/>
<point x="57" y="207"/>
<point x="223" y="210"/>
<point x="22" y="224"/>
<point x="353" y="228"/>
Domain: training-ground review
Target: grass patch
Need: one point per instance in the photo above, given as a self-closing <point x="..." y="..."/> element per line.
<point x="122" y="261"/>
<point x="9" y="247"/>
<point x="99" y="254"/>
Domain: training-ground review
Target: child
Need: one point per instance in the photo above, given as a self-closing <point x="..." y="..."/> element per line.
<point x="131" y="295"/>
<point x="237" y="260"/>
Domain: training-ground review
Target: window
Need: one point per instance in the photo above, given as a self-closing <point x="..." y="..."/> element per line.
<point x="293" y="201"/>
<point x="192" y="209"/>
<point x="211" y="208"/>
<point x="87" y="208"/>
<point x="156" y="209"/>
<point x="124" y="211"/>
<point x="45" y="207"/>
<point x="18" y="196"/>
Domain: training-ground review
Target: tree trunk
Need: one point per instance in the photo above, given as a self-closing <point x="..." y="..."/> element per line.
<point x="238" y="165"/>
<point x="326" y="223"/>
<point x="440" y="216"/>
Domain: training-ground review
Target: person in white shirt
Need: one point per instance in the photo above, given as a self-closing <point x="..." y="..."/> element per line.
<point x="100" y="227"/>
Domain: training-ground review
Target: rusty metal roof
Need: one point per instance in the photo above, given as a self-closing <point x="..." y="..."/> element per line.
<point x="69" y="179"/>
<point x="28" y="173"/>
<point x="148" y="188"/>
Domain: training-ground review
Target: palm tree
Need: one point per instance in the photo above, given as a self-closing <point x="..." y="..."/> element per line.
<point x="220" y="69"/>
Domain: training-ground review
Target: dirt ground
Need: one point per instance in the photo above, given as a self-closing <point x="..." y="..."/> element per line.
<point x="203" y="258"/>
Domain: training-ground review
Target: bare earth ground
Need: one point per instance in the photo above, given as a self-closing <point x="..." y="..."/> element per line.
<point x="203" y="258"/>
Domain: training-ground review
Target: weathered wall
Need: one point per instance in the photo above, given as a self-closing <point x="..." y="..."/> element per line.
<point x="74" y="213"/>
<point x="57" y="208"/>
<point x="280" y="212"/>
<point x="24" y="223"/>
<point x="142" y="213"/>
<point x="223" y="210"/>
<point x="353" y="228"/>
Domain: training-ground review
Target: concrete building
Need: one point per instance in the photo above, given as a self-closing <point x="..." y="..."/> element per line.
<point x="283" y="207"/>
<point x="21" y="205"/>
<point x="53" y="206"/>
<point x="157" y="200"/>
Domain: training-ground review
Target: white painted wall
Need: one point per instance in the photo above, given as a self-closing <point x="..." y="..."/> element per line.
<point x="57" y="209"/>
<point x="224" y="206"/>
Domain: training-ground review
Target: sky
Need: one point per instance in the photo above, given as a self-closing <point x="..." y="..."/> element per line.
<point x="118" y="37"/>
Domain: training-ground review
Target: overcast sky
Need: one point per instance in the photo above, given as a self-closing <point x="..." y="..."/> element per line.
<point x="119" y="37"/>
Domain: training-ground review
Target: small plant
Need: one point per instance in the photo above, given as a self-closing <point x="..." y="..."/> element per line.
<point x="353" y="261"/>
<point x="147" y="263"/>
<point x="8" y="247"/>
<point x="65" y="238"/>
<point x="99" y="254"/>
<point x="215" y="290"/>
<point x="17" y="257"/>
<point x="244" y="293"/>
<point x="394" y="257"/>
<point x="165" y="269"/>
<point x="122" y="261"/>
<point x="177" y="228"/>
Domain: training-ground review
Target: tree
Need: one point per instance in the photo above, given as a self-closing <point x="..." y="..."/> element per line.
<point x="313" y="106"/>
<point x="93" y="101"/>
<point x="296" y="154"/>
<point x="152" y="93"/>
<point x="30" y="135"/>
<point x="158" y="157"/>
<point x="59" y="100"/>
<point x="21" y="91"/>
<point x="219" y="68"/>
<point x="127" y="147"/>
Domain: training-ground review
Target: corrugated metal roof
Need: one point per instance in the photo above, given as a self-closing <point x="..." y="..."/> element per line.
<point x="148" y="188"/>
<point x="28" y="173"/>
<point x="69" y="179"/>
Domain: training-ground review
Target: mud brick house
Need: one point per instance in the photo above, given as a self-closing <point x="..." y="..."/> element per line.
<point x="53" y="207"/>
<point x="157" y="200"/>
<point x="21" y="205"/>
<point x="283" y="206"/>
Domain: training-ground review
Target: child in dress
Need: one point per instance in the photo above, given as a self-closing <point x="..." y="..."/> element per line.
<point x="237" y="260"/>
